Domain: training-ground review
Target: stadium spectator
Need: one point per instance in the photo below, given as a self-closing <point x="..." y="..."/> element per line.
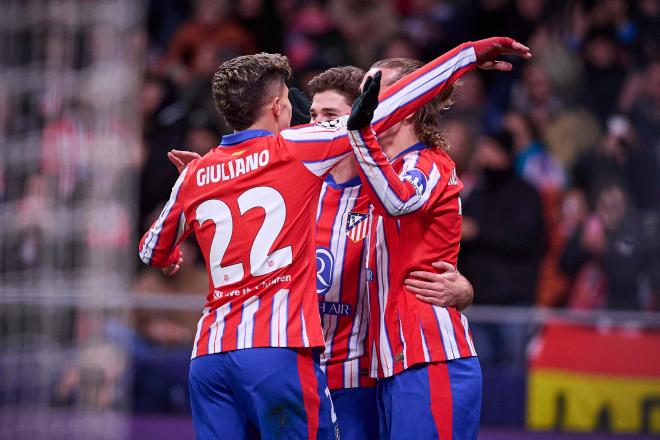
<point x="212" y="24"/>
<point x="534" y="96"/>
<point x="531" y="161"/>
<point x="502" y="228"/>
<point x="460" y="139"/>
<point x="611" y="256"/>
<point x="471" y="102"/>
<point x="615" y="43"/>
<point x="538" y="168"/>
<point x="314" y="41"/>
<point x="604" y="72"/>
<point x="262" y="19"/>
<point x="502" y="245"/>
<point x="618" y="158"/>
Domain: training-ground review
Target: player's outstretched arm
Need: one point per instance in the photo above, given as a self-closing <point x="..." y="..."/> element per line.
<point x="446" y="287"/>
<point x="392" y="193"/>
<point x="320" y="147"/>
<point x="159" y="245"/>
<point x="414" y="90"/>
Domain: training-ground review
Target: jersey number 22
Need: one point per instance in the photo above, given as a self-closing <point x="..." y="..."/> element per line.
<point x="261" y="263"/>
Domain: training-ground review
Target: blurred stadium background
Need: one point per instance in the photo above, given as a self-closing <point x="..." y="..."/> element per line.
<point x="564" y="251"/>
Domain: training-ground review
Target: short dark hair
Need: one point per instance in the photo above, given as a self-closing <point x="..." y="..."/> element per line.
<point x="345" y="80"/>
<point x="427" y="119"/>
<point x="240" y="85"/>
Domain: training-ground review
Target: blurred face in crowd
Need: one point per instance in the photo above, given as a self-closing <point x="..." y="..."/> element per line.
<point x="458" y="136"/>
<point x="471" y="94"/>
<point x="200" y="140"/>
<point x="250" y="8"/>
<point x="530" y="10"/>
<point x="490" y="155"/>
<point x="329" y="105"/>
<point x="611" y="206"/>
<point x="601" y="52"/>
<point x="151" y="96"/>
<point x="574" y="210"/>
<point x="650" y="8"/>
<point x="209" y="12"/>
<point x="537" y="84"/>
<point x="653" y="82"/>
<point x="400" y="48"/>
<point x="520" y="129"/>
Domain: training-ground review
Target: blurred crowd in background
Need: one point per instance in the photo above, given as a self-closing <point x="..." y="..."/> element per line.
<point x="560" y="158"/>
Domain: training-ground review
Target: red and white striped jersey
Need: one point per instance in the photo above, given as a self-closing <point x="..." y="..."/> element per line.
<point x="416" y="220"/>
<point x="251" y="205"/>
<point x="341" y="283"/>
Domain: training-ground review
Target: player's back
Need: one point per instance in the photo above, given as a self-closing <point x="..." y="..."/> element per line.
<point x="252" y="207"/>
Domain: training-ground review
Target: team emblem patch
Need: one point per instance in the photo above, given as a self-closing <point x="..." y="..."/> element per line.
<point x="357" y="226"/>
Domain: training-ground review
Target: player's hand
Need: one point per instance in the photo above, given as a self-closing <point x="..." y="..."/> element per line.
<point x="446" y="288"/>
<point x="181" y="158"/>
<point x="173" y="268"/>
<point x="489" y="49"/>
<point x="300" y="107"/>
<point x="364" y="106"/>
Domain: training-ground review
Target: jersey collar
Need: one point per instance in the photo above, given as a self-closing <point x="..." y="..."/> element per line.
<point x="242" y="136"/>
<point x="415" y="147"/>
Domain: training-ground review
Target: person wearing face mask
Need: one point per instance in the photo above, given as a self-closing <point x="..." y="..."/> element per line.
<point x="502" y="228"/>
<point x="502" y="244"/>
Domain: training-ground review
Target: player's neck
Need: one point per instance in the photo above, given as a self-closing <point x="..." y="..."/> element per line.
<point x="265" y="123"/>
<point x="397" y="142"/>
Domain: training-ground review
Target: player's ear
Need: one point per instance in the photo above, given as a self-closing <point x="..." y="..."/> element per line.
<point x="276" y="107"/>
<point x="410" y="119"/>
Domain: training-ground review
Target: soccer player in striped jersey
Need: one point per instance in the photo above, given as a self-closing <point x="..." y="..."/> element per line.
<point x="430" y="379"/>
<point x="341" y="227"/>
<point x="341" y="281"/>
<point x="263" y="181"/>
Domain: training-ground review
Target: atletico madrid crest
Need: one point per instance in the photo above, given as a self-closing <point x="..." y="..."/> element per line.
<point x="357" y="226"/>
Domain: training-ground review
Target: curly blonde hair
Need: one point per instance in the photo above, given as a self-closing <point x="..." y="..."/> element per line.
<point x="427" y="119"/>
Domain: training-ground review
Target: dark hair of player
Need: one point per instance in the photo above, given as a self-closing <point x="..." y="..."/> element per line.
<point x="344" y="80"/>
<point x="243" y="84"/>
<point x="427" y="119"/>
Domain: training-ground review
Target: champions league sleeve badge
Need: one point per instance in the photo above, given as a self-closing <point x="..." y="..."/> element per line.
<point x="357" y="226"/>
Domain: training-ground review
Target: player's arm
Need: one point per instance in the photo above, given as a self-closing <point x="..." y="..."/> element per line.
<point x="392" y="193"/>
<point x="159" y="245"/>
<point x="414" y="90"/>
<point x="321" y="146"/>
<point x="446" y="287"/>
